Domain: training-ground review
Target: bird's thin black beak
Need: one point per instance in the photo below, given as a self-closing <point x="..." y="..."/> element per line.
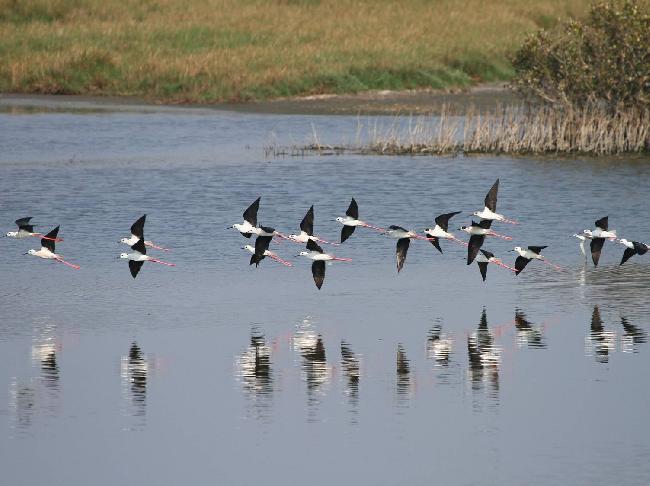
<point x="26" y="253"/>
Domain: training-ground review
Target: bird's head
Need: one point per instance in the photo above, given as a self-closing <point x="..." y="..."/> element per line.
<point x="249" y="248"/>
<point x="587" y="232"/>
<point x="124" y="240"/>
<point x="339" y="219"/>
<point x="124" y="256"/>
<point x="12" y="234"/>
<point x="518" y="249"/>
<point x="32" y="252"/>
<point x="303" y="253"/>
<point x="476" y="213"/>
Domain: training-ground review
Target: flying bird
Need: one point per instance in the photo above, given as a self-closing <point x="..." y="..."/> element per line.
<point x="403" y="240"/>
<point x="351" y="220"/>
<point x="490" y="210"/>
<point x="582" y="239"/>
<point x="138" y="256"/>
<point x="484" y="258"/>
<point x="441" y="230"/>
<point x="632" y="248"/>
<point x="47" y="250"/>
<point x="250" y="219"/>
<point x="319" y="258"/>
<point x="261" y="250"/>
<point x="137" y="233"/>
<point x="478" y="232"/>
<point x="528" y="254"/>
<point x="26" y="229"/>
<point x="307" y="230"/>
<point x="598" y="237"/>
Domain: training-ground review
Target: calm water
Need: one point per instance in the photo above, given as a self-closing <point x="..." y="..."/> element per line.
<point x="214" y="372"/>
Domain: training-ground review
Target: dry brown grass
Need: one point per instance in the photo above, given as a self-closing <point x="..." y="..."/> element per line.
<point x="215" y="50"/>
<point x="511" y="130"/>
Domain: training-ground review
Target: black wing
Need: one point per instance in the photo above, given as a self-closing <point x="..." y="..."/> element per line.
<point x="318" y="271"/>
<point x="139" y="247"/>
<point x="48" y="241"/>
<point x="475" y="243"/>
<point x="596" y="321"/>
<point x="346" y="232"/>
<point x="627" y="254"/>
<point x="23" y="224"/>
<point x="603" y="223"/>
<point x="137" y="228"/>
<point x="256" y="259"/>
<point x="484" y="223"/>
<point x="520" y="264"/>
<point x="353" y="210"/>
<point x="313" y="246"/>
<point x="520" y="320"/>
<point x="537" y="249"/>
<point x="487" y="254"/>
<point x="250" y="214"/>
<point x="402" y="248"/>
<point x="262" y="244"/>
<point x="435" y="241"/>
<point x="491" y="197"/>
<point x="135" y="267"/>
<point x="267" y="229"/>
<point x="640" y="248"/>
<point x="307" y="223"/>
<point x="443" y="219"/>
<point x="596" y="246"/>
<point x="395" y="227"/>
<point x="482" y="266"/>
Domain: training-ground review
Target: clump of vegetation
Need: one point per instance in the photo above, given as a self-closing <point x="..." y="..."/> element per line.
<point x="592" y="130"/>
<point x="603" y="60"/>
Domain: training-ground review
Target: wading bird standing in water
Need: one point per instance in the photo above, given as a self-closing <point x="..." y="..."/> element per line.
<point x="489" y="211"/>
<point x="137" y="233"/>
<point x="26" y="229"/>
<point x="351" y="220"/>
<point x="319" y="258"/>
<point x="138" y="256"/>
<point x="47" y="250"/>
<point x="307" y="230"/>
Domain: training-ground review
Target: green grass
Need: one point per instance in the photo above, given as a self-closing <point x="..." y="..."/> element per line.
<point x="227" y="50"/>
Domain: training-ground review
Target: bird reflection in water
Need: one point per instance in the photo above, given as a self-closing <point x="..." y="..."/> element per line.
<point x="632" y="337"/>
<point x="484" y="358"/>
<point x="254" y="370"/>
<point x="135" y="371"/>
<point x="350" y="367"/>
<point x="439" y="346"/>
<point x="527" y="334"/>
<point x="600" y="342"/>
<point x="403" y="375"/>
<point x="314" y="367"/>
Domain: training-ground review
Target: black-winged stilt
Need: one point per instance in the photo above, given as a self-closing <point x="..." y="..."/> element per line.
<point x="528" y="254"/>
<point x="138" y="256"/>
<point x="250" y="219"/>
<point x="47" y="250"/>
<point x="137" y="233"/>
<point x="441" y="230"/>
<point x="582" y="239"/>
<point x="26" y="229"/>
<point x="478" y="232"/>
<point x="351" y="220"/>
<point x="632" y="248"/>
<point x="598" y="237"/>
<point x="489" y="211"/>
<point x="261" y="250"/>
<point x="484" y="258"/>
<point x="319" y="258"/>
<point x="403" y="241"/>
<point x="307" y="230"/>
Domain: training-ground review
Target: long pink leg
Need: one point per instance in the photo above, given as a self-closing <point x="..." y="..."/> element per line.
<point x="72" y="265"/>
<point x="376" y="228"/>
<point x="320" y="240"/>
<point x="43" y="237"/>
<point x="161" y="262"/>
<point x="492" y="233"/>
<point x="501" y="264"/>
<point x="337" y="259"/>
<point x="280" y="260"/>
<point x="151" y="245"/>
<point x="460" y="242"/>
<point x="556" y="267"/>
<point x="511" y="221"/>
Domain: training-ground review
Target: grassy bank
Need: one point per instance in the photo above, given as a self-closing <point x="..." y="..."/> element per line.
<point x="230" y="50"/>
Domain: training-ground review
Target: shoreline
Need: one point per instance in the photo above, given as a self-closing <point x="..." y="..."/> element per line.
<point x="483" y="97"/>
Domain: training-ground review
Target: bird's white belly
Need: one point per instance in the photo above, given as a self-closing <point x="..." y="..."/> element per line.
<point x="438" y="232"/>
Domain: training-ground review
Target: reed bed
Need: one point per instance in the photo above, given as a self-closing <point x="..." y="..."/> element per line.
<point x="514" y="129"/>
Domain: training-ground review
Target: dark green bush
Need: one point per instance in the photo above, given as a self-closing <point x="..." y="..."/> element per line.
<point x="604" y="59"/>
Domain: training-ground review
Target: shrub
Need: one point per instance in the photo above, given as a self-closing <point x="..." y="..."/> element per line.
<point x="604" y="59"/>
